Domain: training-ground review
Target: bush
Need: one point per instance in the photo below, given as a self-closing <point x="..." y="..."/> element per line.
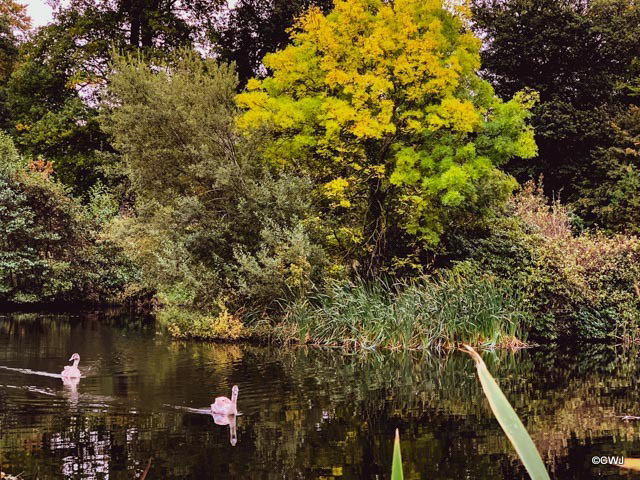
<point x="51" y="250"/>
<point x="183" y="323"/>
<point x="579" y="286"/>
<point x="211" y="219"/>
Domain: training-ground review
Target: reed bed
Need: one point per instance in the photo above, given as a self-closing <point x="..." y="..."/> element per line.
<point x="436" y="312"/>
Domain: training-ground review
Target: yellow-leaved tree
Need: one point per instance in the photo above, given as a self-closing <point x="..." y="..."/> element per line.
<point x="381" y="103"/>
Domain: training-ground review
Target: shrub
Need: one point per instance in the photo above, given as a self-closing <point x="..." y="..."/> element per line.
<point x="287" y="261"/>
<point x="211" y="219"/>
<point x="574" y="285"/>
<point x="183" y="323"/>
<point x="50" y="249"/>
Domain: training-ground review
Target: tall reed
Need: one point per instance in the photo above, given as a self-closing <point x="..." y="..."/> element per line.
<point x="396" y="465"/>
<point x="441" y="311"/>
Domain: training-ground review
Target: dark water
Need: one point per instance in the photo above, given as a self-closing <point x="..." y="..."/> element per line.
<point x="306" y="413"/>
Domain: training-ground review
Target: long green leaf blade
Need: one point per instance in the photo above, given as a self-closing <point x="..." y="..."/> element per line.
<point x="509" y="421"/>
<point x="396" y="466"/>
<point x="631" y="464"/>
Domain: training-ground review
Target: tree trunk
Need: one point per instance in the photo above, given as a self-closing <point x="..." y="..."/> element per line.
<point x="376" y="226"/>
<point x="375" y="229"/>
<point x="147" y="29"/>
<point x="130" y="9"/>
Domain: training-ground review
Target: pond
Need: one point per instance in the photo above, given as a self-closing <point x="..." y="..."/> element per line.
<point x="306" y="413"/>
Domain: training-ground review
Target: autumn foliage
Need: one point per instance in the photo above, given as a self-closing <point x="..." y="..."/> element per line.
<point x="382" y="104"/>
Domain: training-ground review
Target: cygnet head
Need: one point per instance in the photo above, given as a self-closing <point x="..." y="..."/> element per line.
<point x="75" y="356"/>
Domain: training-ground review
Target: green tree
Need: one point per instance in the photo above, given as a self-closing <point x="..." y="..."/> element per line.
<point x="47" y="116"/>
<point x="213" y="227"/>
<point x="253" y="28"/>
<point x="52" y="95"/>
<point x="615" y="202"/>
<point x="16" y="14"/>
<point x="49" y="247"/>
<point x="87" y="32"/>
<point x="8" y="56"/>
<point x="381" y="103"/>
<point x="8" y="50"/>
<point x="22" y="267"/>
<point x="578" y="55"/>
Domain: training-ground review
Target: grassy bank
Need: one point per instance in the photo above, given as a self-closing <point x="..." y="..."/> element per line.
<point x="530" y="276"/>
<point x="440" y="311"/>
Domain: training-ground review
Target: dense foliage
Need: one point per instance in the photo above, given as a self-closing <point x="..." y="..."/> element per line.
<point x="50" y="250"/>
<point x="253" y="28"/>
<point x="573" y="286"/>
<point x="583" y="59"/>
<point x="213" y="226"/>
<point x="614" y="202"/>
<point x="359" y="188"/>
<point x="49" y="107"/>
<point x="381" y="104"/>
<point x="53" y="92"/>
<point x="46" y="115"/>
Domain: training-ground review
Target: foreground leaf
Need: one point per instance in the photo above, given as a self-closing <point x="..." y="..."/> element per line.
<point x="396" y="466"/>
<point x="509" y="421"/>
<point x="631" y="464"/>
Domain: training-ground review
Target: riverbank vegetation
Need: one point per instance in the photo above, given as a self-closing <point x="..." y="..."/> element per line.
<point x="51" y="248"/>
<point x="376" y="176"/>
<point x="439" y="311"/>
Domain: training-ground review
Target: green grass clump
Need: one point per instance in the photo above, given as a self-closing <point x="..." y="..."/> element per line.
<point x="450" y="308"/>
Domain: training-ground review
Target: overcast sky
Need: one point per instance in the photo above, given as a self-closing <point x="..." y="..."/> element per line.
<point x="39" y="12"/>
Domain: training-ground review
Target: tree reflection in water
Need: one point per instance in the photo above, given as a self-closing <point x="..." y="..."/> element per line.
<point x="308" y="413"/>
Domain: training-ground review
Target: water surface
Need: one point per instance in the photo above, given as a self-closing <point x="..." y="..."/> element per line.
<point x="306" y="413"/>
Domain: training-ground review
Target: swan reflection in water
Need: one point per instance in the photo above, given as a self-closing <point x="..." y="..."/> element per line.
<point x="222" y="419"/>
<point x="71" y="387"/>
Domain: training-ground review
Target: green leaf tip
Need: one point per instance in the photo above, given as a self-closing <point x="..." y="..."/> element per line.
<point x="396" y="466"/>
